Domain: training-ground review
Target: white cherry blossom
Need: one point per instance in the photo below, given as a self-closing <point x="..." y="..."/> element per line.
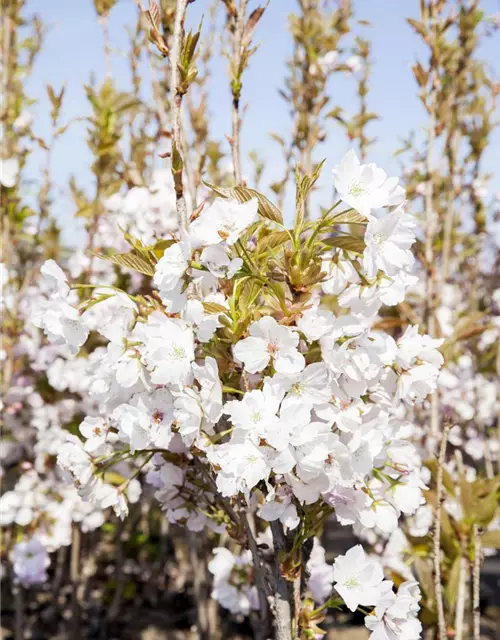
<point x="358" y="579"/>
<point x="365" y="187"/>
<point x="269" y="341"/>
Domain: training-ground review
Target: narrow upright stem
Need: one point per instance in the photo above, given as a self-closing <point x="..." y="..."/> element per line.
<point x="430" y="231"/>
<point x="450" y="209"/>
<point x="75" y="580"/>
<point x="476" y="577"/>
<point x="460" y="607"/>
<point x="497" y="365"/>
<point x="438" y="587"/>
<point x="236" y="90"/>
<point x="176" y="98"/>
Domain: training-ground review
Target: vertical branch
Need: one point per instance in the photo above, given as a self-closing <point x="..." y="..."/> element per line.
<point x="190" y="177"/>
<point x="75" y="579"/>
<point x="176" y="94"/>
<point x="460" y="606"/>
<point x="497" y="366"/>
<point x="438" y="587"/>
<point x="283" y="599"/>
<point x="364" y="118"/>
<point x="236" y="90"/>
<point x="263" y="590"/>
<point x="476" y="577"/>
<point x="241" y="32"/>
<point x="430" y="224"/>
<point x="317" y="30"/>
<point x="202" y="601"/>
<point x="450" y="208"/>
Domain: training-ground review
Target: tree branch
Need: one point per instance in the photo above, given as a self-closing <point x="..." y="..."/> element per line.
<point x="283" y="599"/>
<point x="438" y="587"/>
<point x="236" y="90"/>
<point x="176" y="98"/>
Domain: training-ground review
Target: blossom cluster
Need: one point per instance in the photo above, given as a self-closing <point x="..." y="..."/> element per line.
<point x="299" y="403"/>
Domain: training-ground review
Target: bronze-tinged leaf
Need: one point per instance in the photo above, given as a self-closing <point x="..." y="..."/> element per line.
<point x="266" y="208"/>
<point x="220" y="191"/>
<point x="389" y="323"/>
<point x="213" y="307"/>
<point x="491" y="539"/>
<point x="420" y="74"/>
<point x="245" y="295"/>
<point x="424" y="574"/>
<point x="453" y="580"/>
<point x="351" y="216"/>
<point x="243" y="194"/>
<point x="153" y="15"/>
<point x="130" y="261"/>
<point x="419" y="27"/>
<point x="347" y="243"/>
<point x="449" y="539"/>
<point x="486" y="500"/>
<point x="272" y="240"/>
<point x="251" y="24"/>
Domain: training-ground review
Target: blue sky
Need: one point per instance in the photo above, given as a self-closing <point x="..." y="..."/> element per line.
<point x="73" y="49"/>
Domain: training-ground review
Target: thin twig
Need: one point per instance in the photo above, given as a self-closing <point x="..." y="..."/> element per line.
<point x="476" y="578"/>
<point x="450" y="208"/>
<point x="460" y="606"/>
<point x="199" y="569"/>
<point x="236" y="90"/>
<point x="430" y="232"/>
<point x="75" y="579"/>
<point x="497" y="366"/>
<point x="438" y="587"/>
<point x="176" y="98"/>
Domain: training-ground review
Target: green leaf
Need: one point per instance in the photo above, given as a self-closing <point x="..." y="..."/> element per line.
<point x="304" y="184"/>
<point x="134" y="242"/>
<point x="348" y="243"/>
<point x="243" y="194"/>
<point x="334" y="603"/>
<point x="130" y="261"/>
<point x="158" y="248"/>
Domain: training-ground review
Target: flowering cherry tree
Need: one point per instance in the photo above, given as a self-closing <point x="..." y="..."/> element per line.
<point x="251" y="385"/>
